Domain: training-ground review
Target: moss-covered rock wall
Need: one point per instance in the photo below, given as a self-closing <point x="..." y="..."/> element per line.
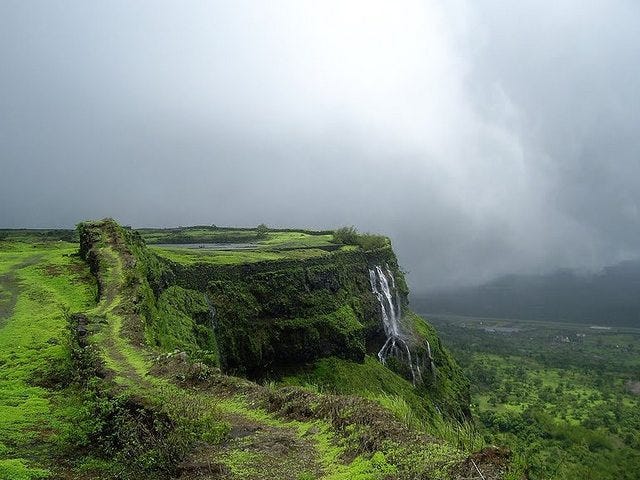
<point x="276" y="315"/>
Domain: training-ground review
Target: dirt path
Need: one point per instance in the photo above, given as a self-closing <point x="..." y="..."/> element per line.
<point x="122" y="357"/>
<point x="255" y="450"/>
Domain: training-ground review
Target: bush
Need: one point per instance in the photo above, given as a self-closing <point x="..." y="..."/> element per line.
<point x="261" y="231"/>
<point x="346" y="236"/>
<point x="366" y="241"/>
<point x="141" y="440"/>
<point x="369" y="241"/>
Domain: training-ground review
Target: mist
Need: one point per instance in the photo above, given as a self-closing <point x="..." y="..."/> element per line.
<point x="484" y="139"/>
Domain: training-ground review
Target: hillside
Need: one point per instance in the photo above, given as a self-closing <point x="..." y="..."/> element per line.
<point x="609" y="297"/>
<point x="223" y="353"/>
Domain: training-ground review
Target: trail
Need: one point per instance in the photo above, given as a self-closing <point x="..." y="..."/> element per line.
<point x="258" y="447"/>
<point x="129" y="363"/>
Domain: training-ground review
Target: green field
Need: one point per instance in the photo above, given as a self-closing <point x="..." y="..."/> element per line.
<point x="559" y="394"/>
<point x="229" y="257"/>
<point x="260" y="237"/>
<point x="226" y="246"/>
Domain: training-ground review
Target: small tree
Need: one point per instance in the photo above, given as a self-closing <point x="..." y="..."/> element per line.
<point x="346" y="235"/>
<point x="261" y="231"/>
<point x="366" y="241"/>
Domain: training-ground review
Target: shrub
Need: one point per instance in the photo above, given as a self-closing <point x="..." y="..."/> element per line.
<point x="366" y="241"/>
<point x="369" y="241"/>
<point x="346" y="236"/>
<point x="261" y="231"/>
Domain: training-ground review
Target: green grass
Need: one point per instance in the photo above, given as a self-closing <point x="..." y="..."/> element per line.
<point x="271" y="238"/>
<point x="39" y="425"/>
<point x="370" y="379"/>
<point x="296" y="240"/>
<point x="330" y="450"/>
<point x="49" y="282"/>
<point x="232" y="257"/>
<point x="267" y="246"/>
<point x="374" y="381"/>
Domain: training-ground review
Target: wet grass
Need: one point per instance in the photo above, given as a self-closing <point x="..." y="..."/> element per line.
<point x="231" y="257"/>
<point x="48" y="282"/>
<point x="271" y="238"/>
<point x="374" y="381"/>
<point x="329" y="451"/>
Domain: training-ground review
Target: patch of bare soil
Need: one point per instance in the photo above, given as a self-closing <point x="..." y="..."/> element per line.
<point x="254" y="451"/>
<point x="490" y="463"/>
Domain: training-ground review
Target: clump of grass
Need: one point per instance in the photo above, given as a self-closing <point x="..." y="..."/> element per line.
<point x="132" y="438"/>
<point x="18" y="469"/>
<point x="462" y="435"/>
<point x="402" y="410"/>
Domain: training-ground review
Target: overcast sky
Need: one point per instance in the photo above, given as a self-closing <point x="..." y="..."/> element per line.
<point x="484" y="137"/>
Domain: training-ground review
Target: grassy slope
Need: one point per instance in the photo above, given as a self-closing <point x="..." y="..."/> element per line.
<point x="41" y="283"/>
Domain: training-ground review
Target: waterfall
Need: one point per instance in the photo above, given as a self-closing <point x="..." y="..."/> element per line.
<point x="383" y="286"/>
<point x="212" y="312"/>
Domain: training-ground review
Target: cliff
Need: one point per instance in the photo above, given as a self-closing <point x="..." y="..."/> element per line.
<point x="171" y="325"/>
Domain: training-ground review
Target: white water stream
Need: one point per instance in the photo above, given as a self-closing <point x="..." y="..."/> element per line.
<point x="383" y="286"/>
<point x="212" y="312"/>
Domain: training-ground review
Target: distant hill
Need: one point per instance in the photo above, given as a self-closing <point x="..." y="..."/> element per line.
<point x="609" y="297"/>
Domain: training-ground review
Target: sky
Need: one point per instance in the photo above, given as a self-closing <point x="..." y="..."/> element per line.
<point x="484" y="137"/>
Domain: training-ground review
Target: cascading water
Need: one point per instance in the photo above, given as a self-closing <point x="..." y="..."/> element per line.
<point x="212" y="312"/>
<point x="396" y="344"/>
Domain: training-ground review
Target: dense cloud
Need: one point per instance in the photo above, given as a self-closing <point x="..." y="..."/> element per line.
<point x="484" y="137"/>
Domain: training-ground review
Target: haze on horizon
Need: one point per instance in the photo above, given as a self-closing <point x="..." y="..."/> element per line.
<point x="485" y="138"/>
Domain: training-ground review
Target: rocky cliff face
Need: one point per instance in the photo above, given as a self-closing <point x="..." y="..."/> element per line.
<point x="276" y="318"/>
<point x="272" y="318"/>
